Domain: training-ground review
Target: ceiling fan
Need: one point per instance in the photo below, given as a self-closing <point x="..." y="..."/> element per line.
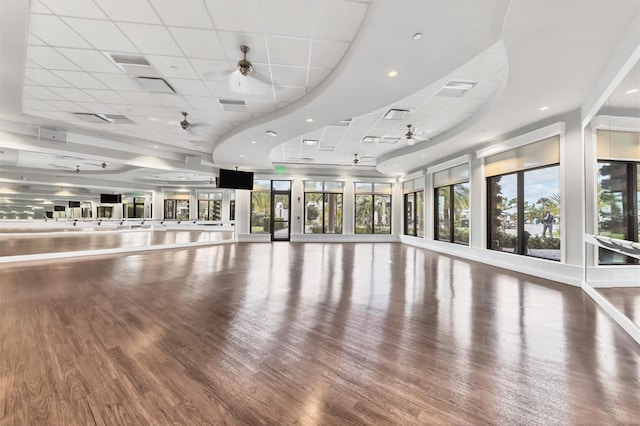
<point x="243" y="77"/>
<point x="411" y="135"/>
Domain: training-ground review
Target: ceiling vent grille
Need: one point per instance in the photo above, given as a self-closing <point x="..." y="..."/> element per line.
<point x="232" y="104"/>
<point x="395" y="114"/>
<point x="102" y="118"/>
<point x="155" y="84"/>
<point x="327" y="148"/>
<point x="455" y="88"/>
<point x="371" y="139"/>
<point x="134" y="65"/>
<point x="389" y="140"/>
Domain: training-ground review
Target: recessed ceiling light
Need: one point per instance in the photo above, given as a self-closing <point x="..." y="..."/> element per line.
<point x="309" y="120"/>
<point x="392" y="73"/>
<point x="309" y="142"/>
<point x="155" y="146"/>
<point x="544" y="108"/>
<point x="241" y="156"/>
<point x="628" y="92"/>
<point x="272" y="133"/>
<point x="417" y="36"/>
<point x="253" y="141"/>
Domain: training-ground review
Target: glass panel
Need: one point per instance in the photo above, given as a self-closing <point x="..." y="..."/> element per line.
<point x="261" y="185"/>
<point x="333" y="186"/>
<point x="612" y="200"/>
<point x="313" y="213"/>
<point x="281" y="216"/>
<point x="542" y="213"/>
<point x="260" y="208"/>
<point x="420" y="213"/>
<point x="182" y="209"/>
<point x="503" y="193"/>
<point x="281" y="185"/>
<point x="443" y="200"/>
<point x="461" y="213"/>
<point x="232" y="210"/>
<point x="409" y="212"/>
<point x="333" y="213"/>
<point x="169" y="210"/>
<point x="312" y="186"/>
<point x="382" y="188"/>
<point x="363" y="188"/>
<point x="364" y="214"/>
<point x="203" y="210"/>
<point x="215" y="210"/>
<point x="382" y="214"/>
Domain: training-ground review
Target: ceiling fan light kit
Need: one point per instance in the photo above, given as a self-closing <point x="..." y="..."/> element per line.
<point x="244" y="66"/>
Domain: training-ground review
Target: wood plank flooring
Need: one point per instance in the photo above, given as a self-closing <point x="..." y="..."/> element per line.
<point x="65" y="241"/>
<point x="305" y="334"/>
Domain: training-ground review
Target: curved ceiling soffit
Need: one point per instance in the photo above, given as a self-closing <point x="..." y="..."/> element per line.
<point x="383" y="43"/>
<point x="406" y="160"/>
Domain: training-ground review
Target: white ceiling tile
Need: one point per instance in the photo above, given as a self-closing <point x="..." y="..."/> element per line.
<point x="67" y="106"/>
<point x="173" y="66"/>
<point x="189" y="87"/>
<point x="183" y="13"/>
<point x="209" y="69"/>
<point x="79" y="8"/>
<point x="48" y="58"/>
<point x="197" y="43"/>
<point x="139" y="98"/>
<point x="35" y="105"/>
<point x="289" y="94"/>
<point x="288" y="51"/>
<point x="171" y="100"/>
<point x="117" y="82"/>
<point x="156" y="112"/>
<point x="103" y="35"/>
<point x="107" y="96"/>
<point x="288" y="17"/>
<point x="289" y="76"/>
<point x="129" y="11"/>
<point x="32" y="40"/>
<point x="42" y="93"/>
<point x="221" y="90"/>
<point x="75" y="95"/>
<point x="327" y="54"/>
<point x="38" y="7"/>
<point x="483" y="90"/>
<point x="316" y="75"/>
<point x="89" y="60"/>
<point x="44" y="77"/>
<point x="337" y="19"/>
<point x="231" y="42"/>
<point x="97" y="108"/>
<point x="203" y="101"/>
<point x="236" y="15"/>
<point x="151" y="39"/>
<point x="81" y="80"/>
<point x="54" y="32"/>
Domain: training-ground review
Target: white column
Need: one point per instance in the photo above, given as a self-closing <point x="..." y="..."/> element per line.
<point x="158" y="206"/>
<point x="572" y="202"/>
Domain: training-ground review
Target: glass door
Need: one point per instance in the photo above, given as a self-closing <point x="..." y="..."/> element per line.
<point x="280" y="210"/>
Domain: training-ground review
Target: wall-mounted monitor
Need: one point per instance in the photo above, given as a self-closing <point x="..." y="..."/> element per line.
<point x="59" y="208"/>
<point x="48" y="215"/>
<point x="73" y="204"/>
<point x="235" y="179"/>
<point x="110" y="198"/>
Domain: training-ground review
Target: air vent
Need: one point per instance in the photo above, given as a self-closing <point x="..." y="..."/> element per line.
<point x="326" y="148"/>
<point x="307" y="159"/>
<point x="455" y="89"/>
<point x="371" y="139"/>
<point x="309" y="142"/>
<point x="155" y="84"/>
<point x="134" y="65"/>
<point x="102" y="118"/>
<point x="389" y="140"/>
<point x="129" y="60"/>
<point x="53" y="135"/>
<point x="232" y="105"/>
<point x="344" y="123"/>
<point x="395" y="114"/>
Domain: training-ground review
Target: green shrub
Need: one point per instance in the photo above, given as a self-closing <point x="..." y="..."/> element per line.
<point x="544" y="243"/>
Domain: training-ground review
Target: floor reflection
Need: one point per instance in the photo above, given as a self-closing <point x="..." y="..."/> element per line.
<point x="292" y="333"/>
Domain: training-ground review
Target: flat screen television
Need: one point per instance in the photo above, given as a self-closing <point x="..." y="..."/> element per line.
<point x="59" y="208"/>
<point x="73" y="204"/>
<point x="49" y="215"/>
<point x="235" y="179"/>
<point x="110" y="198"/>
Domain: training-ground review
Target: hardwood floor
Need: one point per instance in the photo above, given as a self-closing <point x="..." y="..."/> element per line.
<point x="305" y="334"/>
<point x="73" y="241"/>
<point x="626" y="300"/>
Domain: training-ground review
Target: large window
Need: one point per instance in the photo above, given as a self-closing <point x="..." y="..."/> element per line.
<point x="373" y="208"/>
<point x="210" y="206"/>
<point x="261" y="207"/>
<point x="414" y="207"/>
<point x="524" y="205"/>
<point x="176" y="209"/>
<point x="323" y="207"/>
<point x="451" y="204"/>
<point x="618" y="191"/>
<point x="135" y="207"/>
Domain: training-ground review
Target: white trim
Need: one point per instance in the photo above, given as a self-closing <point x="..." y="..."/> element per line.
<point x="412" y="176"/>
<point x="254" y="238"/>
<point x="345" y="238"/>
<point x="606" y="122"/>
<point x="556" y="129"/>
<point x="449" y="164"/>
<point x="627" y="325"/>
<point x="563" y="199"/>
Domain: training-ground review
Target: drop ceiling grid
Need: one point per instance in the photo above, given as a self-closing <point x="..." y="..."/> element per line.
<point x="70" y="50"/>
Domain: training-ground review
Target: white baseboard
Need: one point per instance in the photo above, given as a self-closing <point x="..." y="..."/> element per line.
<point x="344" y="238"/>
